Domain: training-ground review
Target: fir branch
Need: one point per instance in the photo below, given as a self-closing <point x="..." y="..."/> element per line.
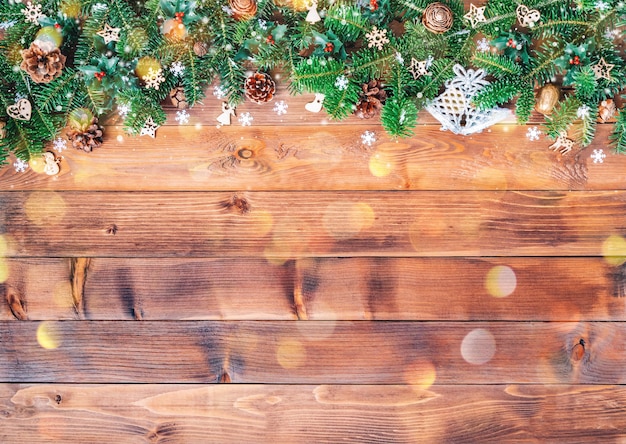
<point x="618" y="136"/>
<point x="562" y="117"/>
<point x="399" y="116"/>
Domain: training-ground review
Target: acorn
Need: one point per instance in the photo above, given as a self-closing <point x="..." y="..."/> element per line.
<point x="547" y="98"/>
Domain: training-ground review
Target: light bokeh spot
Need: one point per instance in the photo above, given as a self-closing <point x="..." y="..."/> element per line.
<point x="45" y="208"/>
<point x="614" y="250"/>
<point x="4" y="270"/>
<point x="420" y="374"/>
<point x="345" y="220"/>
<point x="478" y="346"/>
<point x="501" y="281"/>
<point x="290" y="353"/>
<point x="48" y="336"/>
<point x="381" y="164"/>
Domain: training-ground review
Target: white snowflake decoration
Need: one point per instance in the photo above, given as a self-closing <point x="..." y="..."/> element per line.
<point x="182" y="117"/>
<point x="368" y="138"/>
<point x="219" y="92"/>
<point x="7" y="25"/>
<point x="483" y="45"/>
<point x="280" y="108"/>
<point x="59" y="144"/>
<point x="149" y="128"/>
<point x="399" y="58"/>
<point x="602" y="5"/>
<point x="246" y="119"/>
<point x="341" y="82"/>
<point x="377" y="38"/>
<point x="610" y="34"/>
<point x="32" y="12"/>
<point x="598" y="156"/>
<point x="454" y="108"/>
<point x="177" y="69"/>
<point x="20" y="166"/>
<point x="263" y="24"/>
<point x="583" y="112"/>
<point x="123" y="109"/>
<point x="533" y="133"/>
<point x="154" y="78"/>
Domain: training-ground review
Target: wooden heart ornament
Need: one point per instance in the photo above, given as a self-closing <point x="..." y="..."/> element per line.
<point x="527" y="17"/>
<point x="21" y="110"/>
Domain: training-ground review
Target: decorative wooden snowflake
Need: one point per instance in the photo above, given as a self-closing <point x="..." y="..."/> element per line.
<point x="154" y="78"/>
<point x="377" y="38"/>
<point x="32" y="13"/>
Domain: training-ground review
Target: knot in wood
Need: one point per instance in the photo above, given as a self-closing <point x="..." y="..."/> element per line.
<point x="578" y="352"/>
<point x="245" y="153"/>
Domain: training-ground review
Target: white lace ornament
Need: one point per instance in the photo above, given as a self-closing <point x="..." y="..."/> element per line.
<point x="454" y="108"/>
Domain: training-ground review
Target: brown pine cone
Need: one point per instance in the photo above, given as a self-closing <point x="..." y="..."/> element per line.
<point x="3" y="129"/>
<point x="89" y="139"/>
<point x="437" y="18"/>
<point x="243" y="9"/>
<point x="260" y="87"/>
<point x="178" y="98"/>
<point x="372" y="98"/>
<point x="200" y="49"/>
<point x="42" y="66"/>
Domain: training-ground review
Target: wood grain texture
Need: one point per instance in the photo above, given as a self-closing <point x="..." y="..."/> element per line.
<point x="540" y="289"/>
<point x="296" y="224"/>
<point x="326" y="158"/>
<point x="309" y="352"/>
<point x="311" y="413"/>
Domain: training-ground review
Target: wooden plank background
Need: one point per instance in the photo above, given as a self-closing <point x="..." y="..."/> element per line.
<point x="285" y="282"/>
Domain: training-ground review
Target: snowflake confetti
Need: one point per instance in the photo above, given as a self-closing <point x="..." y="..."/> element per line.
<point x="219" y="92"/>
<point x="583" y="112"/>
<point x="32" y="12"/>
<point x="177" y="69"/>
<point x="7" y="25"/>
<point x="182" y="117"/>
<point x="533" y="133"/>
<point x="263" y="24"/>
<point x="598" y="156"/>
<point x="368" y="138"/>
<point x="602" y="5"/>
<point x="154" y="78"/>
<point x="123" y="110"/>
<point x="399" y="58"/>
<point x="20" y="166"/>
<point x="246" y="119"/>
<point x="376" y="38"/>
<point x="59" y="144"/>
<point x="483" y="45"/>
<point x="610" y="34"/>
<point x="280" y="108"/>
<point x="341" y="82"/>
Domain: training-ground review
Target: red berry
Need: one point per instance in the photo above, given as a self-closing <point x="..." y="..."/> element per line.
<point x="329" y="47"/>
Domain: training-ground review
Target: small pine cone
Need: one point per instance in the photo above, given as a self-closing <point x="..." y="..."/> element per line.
<point x="437" y="18"/>
<point x="3" y="129"/>
<point x="42" y="66"/>
<point x="89" y="139"/>
<point x="260" y="87"/>
<point x="371" y="101"/>
<point x="178" y="98"/>
<point x="243" y="9"/>
<point x="200" y="49"/>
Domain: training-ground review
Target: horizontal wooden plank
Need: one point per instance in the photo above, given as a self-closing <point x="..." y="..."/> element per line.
<point x="297" y="224"/>
<point x="557" y="289"/>
<point x="204" y="158"/>
<point x="315" y="352"/>
<point x="316" y="413"/>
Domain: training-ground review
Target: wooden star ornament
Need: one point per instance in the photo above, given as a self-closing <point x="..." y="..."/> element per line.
<point x="602" y="70"/>
<point x="109" y="34"/>
<point x="475" y="15"/>
<point x="149" y="128"/>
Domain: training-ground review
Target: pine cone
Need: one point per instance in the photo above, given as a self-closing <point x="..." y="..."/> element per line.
<point x="89" y="139"/>
<point x="42" y="66"/>
<point x="372" y="98"/>
<point x="3" y="129"/>
<point x="243" y="9"/>
<point x="200" y="48"/>
<point x="260" y="87"/>
<point x="178" y="98"/>
<point x="437" y="18"/>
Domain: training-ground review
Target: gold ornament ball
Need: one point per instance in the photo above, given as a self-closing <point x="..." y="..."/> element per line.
<point x="178" y="98"/>
<point x="547" y="98"/>
<point x="144" y="64"/>
<point x="174" y="29"/>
